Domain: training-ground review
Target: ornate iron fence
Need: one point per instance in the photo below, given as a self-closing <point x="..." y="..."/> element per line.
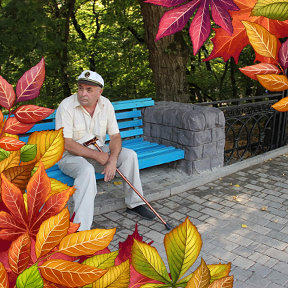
<point x="252" y="127"/>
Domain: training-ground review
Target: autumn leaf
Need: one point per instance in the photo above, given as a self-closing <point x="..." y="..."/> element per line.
<point x="273" y="9"/>
<point x="19" y="253"/>
<point x="283" y="55"/>
<point x="70" y="274"/>
<point x="116" y="277"/>
<point x="1" y="117"/>
<point x="30" y="278"/>
<point x="102" y="261"/>
<point x="13" y="126"/>
<point x="147" y="261"/>
<point x="12" y="160"/>
<point x="273" y="82"/>
<point x="227" y="46"/>
<point x="86" y="242"/>
<point x="10" y="144"/>
<point x="259" y="69"/>
<point x="4" y="283"/>
<point x="218" y="271"/>
<point x="28" y="152"/>
<point x="226" y="282"/>
<point x="29" y="85"/>
<point x="50" y="146"/>
<point x="3" y="154"/>
<point x="19" y="175"/>
<point x="58" y="186"/>
<point x="262" y="41"/>
<point x="32" y="113"/>
<point x="201" y="277"/>
<point x="183" y="245"/>
<point x="7" y="94"/>
<point x="281" y="105"/>
<point x="175" y="19"/>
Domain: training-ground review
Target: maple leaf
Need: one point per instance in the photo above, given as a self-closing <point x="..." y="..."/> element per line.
<point x="227" y="45"/>
<point x="175" y="20"/>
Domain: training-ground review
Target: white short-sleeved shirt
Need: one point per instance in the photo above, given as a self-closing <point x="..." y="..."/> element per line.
<point x="80" y="126"/>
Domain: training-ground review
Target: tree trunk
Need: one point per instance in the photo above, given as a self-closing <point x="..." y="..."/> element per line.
<point x="167" y="57"/>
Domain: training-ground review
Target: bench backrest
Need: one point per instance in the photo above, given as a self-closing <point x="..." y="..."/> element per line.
<point x="128" y="114"/>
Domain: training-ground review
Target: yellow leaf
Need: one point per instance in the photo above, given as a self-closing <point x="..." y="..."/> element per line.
<point x="117" y="182"/>
<point x="218" y="271"/>
<point x="102" y="261"/>
<point x="50" y="146"/>
<point x="273" y="82"/>
<point x="51" y="232"/>
<point x="147" y="261"/>
<point x="57" y="187"/>
<point x="244" y="226"/>
<point x="201" y="277"/>
<point x="69" y="274"/>
<point x="86" y="242"/>
<point x="12" y="160"/>
<point x="183" y="245"/>
<point x="264" y="208"/>
<point x="237" y="185"/>
<point x="25" y="202"/>
<point x="281" y="105"/>
<point x="116" y="277"/>
<point x="226" y="282"/>
<point x="262" y="41"/>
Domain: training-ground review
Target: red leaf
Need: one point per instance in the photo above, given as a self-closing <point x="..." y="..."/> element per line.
<point x="283" y="55"/>
<point x="227" y="46"/>
<point x="38" y="189"/>
<point x="174" y="20"/>
<point x="7" y="221"/>
<point x="13" y="199"/>
<point x="32" y="113"/>
<point x="19" y="253"/>
<point x="221" y="16"/>
<point x="11" y="144"/>
<point x="7" y="94"/>
<point x="73" y="227"/>
<point x="9" y="234"/>
<point x="165" y="3"/>
<point x="53" y="205"/>
<point x="29" y="85"/>
<point x="200" y="27"/>
<point x="137" y="279"/>
<point x="259" y="69"/>
<point x="3" y="277"/>
<point x="13" y="126"/>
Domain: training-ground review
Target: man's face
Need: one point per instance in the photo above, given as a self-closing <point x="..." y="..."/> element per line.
<point x="88" y="95"/>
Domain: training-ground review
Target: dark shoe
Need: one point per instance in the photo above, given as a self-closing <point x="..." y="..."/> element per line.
<point x="142" y="211"/>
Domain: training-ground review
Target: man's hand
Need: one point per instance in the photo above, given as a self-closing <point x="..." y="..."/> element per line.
<point x="102" y="158"/>
<point x="110" y="169"/>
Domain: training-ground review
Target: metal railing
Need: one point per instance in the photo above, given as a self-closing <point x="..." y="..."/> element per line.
<point x="252" y="126"/>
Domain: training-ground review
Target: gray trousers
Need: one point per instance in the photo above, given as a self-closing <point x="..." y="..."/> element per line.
<point x="83" y="171"/>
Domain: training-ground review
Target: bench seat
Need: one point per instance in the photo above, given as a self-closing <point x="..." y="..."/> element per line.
<point x="129" y="119"/>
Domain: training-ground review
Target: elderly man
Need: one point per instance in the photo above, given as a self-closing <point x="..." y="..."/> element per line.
<point x="83" y="116"/>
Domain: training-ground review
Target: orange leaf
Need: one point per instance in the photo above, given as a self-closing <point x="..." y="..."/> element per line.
<point x="201" y="276"/>
<point x="225" y="282"/>
<point x="11" y="144"/>
<point x="281" y="105"/>
<point x="19" y="175"/>
<point x="13" y="199"/>
<point x="52" y="206"/>
<point x="4" y="283"/>
<point x="51" y="232"/>
<point x="227" y="46"/>
<point x="19" y="253"/>
<point x="259" y="69"/>
<point x="12" y="160"/>
<point x="38" y="189"/>
<point x="1" y="116"/>
<point x="7" y="94"/>
<point x="273" y="82"/>
<point x="32" y="113"/>
<point x="70" y="274"/>
<point x="13" y="126"/>
<point x="86" y="242"/>
<point x="10" y="234"/>
<point x="7" y="221"/>
<point x="262" y="41"/>
<point x="57" y="186"/>
<point x="29" y="85"/>
<point x="73" y="227"/>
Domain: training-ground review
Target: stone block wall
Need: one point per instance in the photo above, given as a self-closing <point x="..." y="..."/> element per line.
<point x="198" y="130"/>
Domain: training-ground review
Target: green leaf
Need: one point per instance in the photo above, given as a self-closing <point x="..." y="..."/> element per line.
<point x="102" y="261"/>
<point x="147" y="261"/>
<point x="219" y="271"/>
<point x="272" y="9"/>
<point x="28" y="152"/>
<point x="4" y="154"/>
<point x="183" y="245"/>
<point x="30" y="278"/>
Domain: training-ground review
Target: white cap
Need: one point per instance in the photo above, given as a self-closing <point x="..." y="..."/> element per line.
<point x="91" y="78"/>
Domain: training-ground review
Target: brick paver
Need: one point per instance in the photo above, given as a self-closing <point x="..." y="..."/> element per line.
<point x="242" y="219"/>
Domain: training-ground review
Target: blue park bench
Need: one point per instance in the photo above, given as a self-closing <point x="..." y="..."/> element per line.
<point x="129" y="118"/>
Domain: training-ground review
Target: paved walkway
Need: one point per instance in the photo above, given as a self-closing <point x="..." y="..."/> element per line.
<point x="240" y="211"/>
